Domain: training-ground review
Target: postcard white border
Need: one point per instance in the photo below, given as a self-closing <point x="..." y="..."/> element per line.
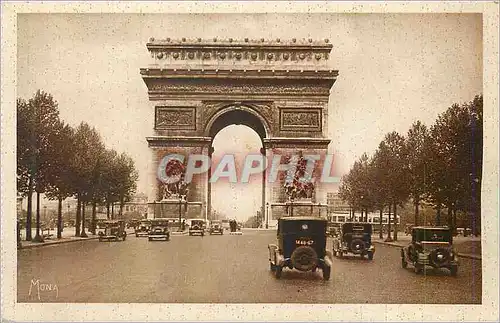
<point x="488" y="311"/>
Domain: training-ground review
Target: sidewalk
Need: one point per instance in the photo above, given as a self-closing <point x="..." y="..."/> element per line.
<point x="68" y="235"/>
<point x="467" y="247"/>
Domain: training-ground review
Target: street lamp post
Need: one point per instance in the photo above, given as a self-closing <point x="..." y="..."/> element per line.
<point x="267" y="215"/>
<point x="180" y="211"/>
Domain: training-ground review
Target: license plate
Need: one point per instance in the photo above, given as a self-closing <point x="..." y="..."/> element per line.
<point x="304" y="242"/>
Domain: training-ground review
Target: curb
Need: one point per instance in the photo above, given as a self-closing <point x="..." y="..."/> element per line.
<point x="461" y="255"/>
<point x="53" y="243"/>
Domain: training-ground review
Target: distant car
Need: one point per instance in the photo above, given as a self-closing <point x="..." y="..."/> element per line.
<point x="197" y="227"/>
<point x="301" y="245"/>
<point x="408" y="228"/>
<point x="332" y="229"/>
<point x="112" y="230"/>
<point x="430" y="246"/>
<point x="354" y="238"/>
<point x="159" y="230"/>
<point x="216" y="227"/>
<point x="142" y="230"/>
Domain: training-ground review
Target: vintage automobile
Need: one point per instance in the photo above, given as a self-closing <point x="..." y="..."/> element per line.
<point x="216" y="227"/>
<point x="142" y="230"/>
<point x="408" y="228"/>
<point x="197" y="227"/>
<point x="301" y="245"/>
<point x="112" y="230"/>
<point x="159" y="230"/>
<point x="355" y="238"/>
<point x="430" y="246"/>
<point x="332" y="229"/>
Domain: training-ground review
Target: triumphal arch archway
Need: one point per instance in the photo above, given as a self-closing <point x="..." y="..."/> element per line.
<point x="196" y="87"/>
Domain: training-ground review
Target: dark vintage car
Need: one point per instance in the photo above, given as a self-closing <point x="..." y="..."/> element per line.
<point x="142" y="229"/>
<point x="354" y="238"/>
<point x="159" y="230"/>
<point x="301" y="245"/>
<point x="112" y="230"/>
<point x="197" y="227"/>
<point x="216" y="227"/>
<point x="430" y="246"/>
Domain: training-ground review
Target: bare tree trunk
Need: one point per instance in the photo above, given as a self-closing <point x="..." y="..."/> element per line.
<point x="438" y="215"/>
<point x="107" y="210"/>
<point x="29" y="215"/>
<point x="78" y="216"/>
<point x="113" y="210"/>
<point x="395" y="222"/>
<point x="389" y="225"/>
<point x="450" y="216"/>
<point x="59" y="218"/>
<point x="381" y="235"/>
<point x="417" y="202"/>
<point x="455" y="220"/>
<point x="38" y="238"/>
<point x="94" y="205"/>
<point x="83" y="234"/>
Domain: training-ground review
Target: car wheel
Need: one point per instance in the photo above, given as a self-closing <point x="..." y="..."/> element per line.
<point x="341" y="254"/>
<point x="100" y="239"/>
<point x="454" y="270"/>
<point x="404" y="263"/>
<point x="370" y="255"/>
<point x="136" y="235"/>
<point x="417" y="268"/>
<point x="326" y="273"/>
<point x="277" y="271"/>
<point x="124" y="237"/>
<point x="150" y="239"/>
<point x="271" y="266"/>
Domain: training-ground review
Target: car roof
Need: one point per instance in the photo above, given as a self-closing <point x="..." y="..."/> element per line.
<point x="430" y="228"/>
<point x="303" y="218"/>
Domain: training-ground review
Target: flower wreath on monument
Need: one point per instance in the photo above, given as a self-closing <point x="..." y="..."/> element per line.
<point x="176" y="170"/>
<point x="298" y="187"/>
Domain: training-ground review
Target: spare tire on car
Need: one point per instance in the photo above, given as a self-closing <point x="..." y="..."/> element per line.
<point x="304" y="258"/>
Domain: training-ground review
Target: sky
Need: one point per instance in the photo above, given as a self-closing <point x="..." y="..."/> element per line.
<point x="394" y="69"/>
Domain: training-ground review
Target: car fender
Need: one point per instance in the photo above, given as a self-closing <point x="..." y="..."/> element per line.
<point x="328" y="262"/>
<point x="272" y="251"/>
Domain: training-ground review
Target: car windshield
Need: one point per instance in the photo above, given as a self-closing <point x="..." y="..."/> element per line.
<point x="144" y="223"/>
<point x="303" y="226"/>
<point x="196" y="222"/>
<point x="433" y="235"/>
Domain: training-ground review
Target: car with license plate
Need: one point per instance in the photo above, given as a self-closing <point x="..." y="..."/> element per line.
<point x="197" y="227"/>
<point x="354" y="238"/>
<point x="216" y="227"/>
<point x="301" y="245"/>
<point x="142" y="229"/>
<point x="430" y="247"/>
<point x="159" y="230"/>
<point x="112" y="230"/>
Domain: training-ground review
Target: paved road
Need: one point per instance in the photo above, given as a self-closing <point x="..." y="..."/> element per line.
<point x="228" y="269"/>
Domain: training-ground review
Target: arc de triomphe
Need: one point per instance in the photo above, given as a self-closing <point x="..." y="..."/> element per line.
<point x="197" y="87"/>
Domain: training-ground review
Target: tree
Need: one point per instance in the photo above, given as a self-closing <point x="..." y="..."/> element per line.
<point x="417" y="140"/>
<point x="380" y="176"/>
<point x="127" y="179"/>
<point x="37" y="122"/>
<point x="60" y="176"/>
<point x="88" y="145"/>
<point x="393" y="154"/>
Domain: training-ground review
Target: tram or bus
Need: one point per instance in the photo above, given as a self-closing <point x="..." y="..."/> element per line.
<point x="373" y="218"/>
